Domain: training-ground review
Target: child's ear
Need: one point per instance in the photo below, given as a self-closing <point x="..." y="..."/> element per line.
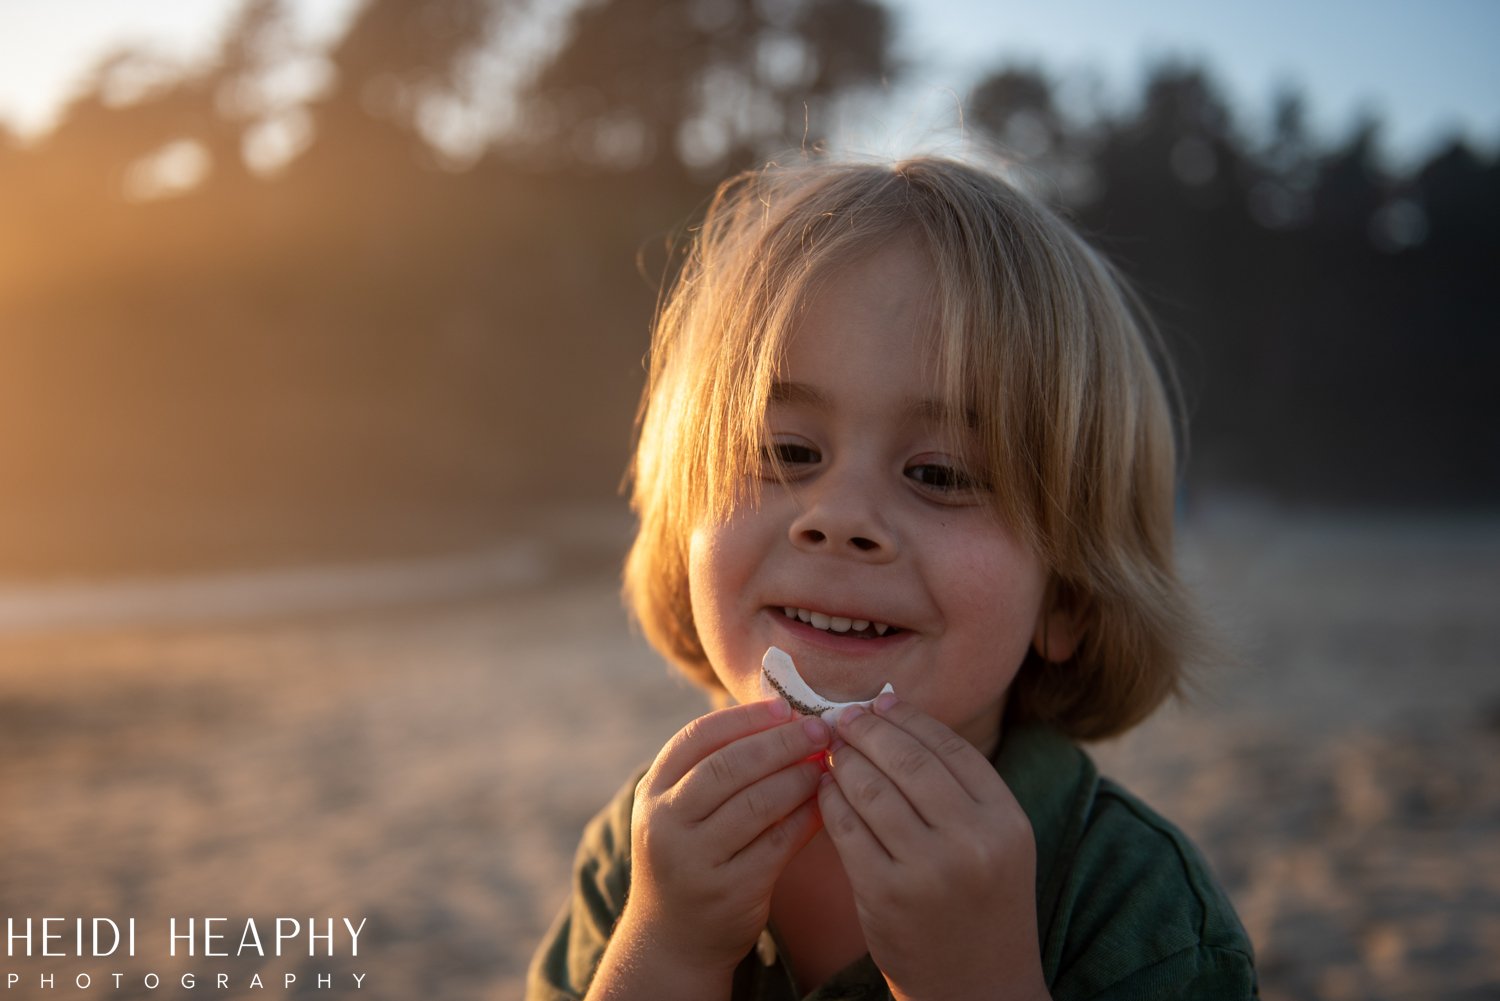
<point x="1060" y="626"/>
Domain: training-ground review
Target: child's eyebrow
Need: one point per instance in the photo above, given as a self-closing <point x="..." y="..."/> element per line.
<point x="940" y="412"/>
<point x="798" y="392"/>
<point x="927" y="409"/>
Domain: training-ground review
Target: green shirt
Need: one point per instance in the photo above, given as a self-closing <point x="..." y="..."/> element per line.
<point x="1126" y="907"/>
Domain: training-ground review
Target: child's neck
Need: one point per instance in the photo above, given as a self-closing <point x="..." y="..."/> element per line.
<point x="813" y="911"/>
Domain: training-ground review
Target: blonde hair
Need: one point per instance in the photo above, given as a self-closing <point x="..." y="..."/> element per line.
<point x="1038" y="337"/>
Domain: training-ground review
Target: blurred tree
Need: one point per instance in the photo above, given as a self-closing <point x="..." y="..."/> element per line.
<point x="1016" y="108"/>
<point x="1350" y="184"/>
<point x="1454" y="206"/>
<point x="1461" y="194"/>
<point x="850" y="44"/>
<point x="1171" y="209"/>
<point x="251" y="47"/>
<point x="398" y="60"/>
<point x="1179" y="153"/>
<point x="412" y="44"/>
<point x="700" y="84"/>
<point x="1284" y="168"/>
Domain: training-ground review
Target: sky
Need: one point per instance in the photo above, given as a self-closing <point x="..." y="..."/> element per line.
<point x="1428" y="70"/>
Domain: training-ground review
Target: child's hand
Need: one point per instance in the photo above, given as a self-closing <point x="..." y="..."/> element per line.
<point x="940" y="856"/>
<point x="727" y="803"/>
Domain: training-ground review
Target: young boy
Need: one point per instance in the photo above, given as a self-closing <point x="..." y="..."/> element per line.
<point x="902" y="424"/>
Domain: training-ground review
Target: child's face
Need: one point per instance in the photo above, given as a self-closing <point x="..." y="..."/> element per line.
<point x="879" y="522"/>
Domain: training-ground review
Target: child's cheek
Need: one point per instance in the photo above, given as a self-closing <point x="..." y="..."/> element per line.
<point x="710" y="590"/>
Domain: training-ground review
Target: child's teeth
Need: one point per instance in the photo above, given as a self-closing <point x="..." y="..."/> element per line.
<point x="834" y="623"/>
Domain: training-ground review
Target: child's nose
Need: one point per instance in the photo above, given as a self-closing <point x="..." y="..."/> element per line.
<point x="841" y="518"/>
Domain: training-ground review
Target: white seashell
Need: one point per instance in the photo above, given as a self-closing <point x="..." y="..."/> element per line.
<point x="779" y="677"/>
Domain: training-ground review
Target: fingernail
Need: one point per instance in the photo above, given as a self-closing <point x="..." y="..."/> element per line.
<point x="885" y="702"/>
<point x="816" y="730"/>
<point x="849" y="715"/>
<point x="780" y="710"/>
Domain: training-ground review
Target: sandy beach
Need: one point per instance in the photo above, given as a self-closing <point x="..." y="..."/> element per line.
<point x="418" y="744"/>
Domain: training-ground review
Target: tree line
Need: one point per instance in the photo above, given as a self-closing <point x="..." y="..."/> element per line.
<point x="211" y="295"/>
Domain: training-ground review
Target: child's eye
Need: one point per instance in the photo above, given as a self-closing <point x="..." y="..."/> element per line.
<point x="787" y="453"/>
<point x="944" y="478"/>
<point x="794" y="454"/>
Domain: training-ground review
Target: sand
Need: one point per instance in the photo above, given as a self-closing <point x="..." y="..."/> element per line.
<point x="418" y="745"/>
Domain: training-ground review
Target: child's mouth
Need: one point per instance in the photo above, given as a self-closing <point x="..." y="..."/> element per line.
<point x="858" y="628"/>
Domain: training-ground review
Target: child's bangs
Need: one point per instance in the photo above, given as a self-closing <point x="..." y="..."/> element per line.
<point x="737" y="392"/>
<point x="985" y="366"/>
<point x="758" y="310"/>
<point x="748" y="310"/>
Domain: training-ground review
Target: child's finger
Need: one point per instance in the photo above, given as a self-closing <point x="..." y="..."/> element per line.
<point x="758" y="808"/>
<point x="708" y="733"/>
<point x="711" y="783"/>
<point x="972" y="770"/>
<point x="857" y="845"/>
<point x="775" y="846"/>
<point x="893" y="817"/>
<point x="916" y="776"/>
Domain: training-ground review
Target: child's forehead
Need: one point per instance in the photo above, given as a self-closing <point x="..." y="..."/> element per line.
<point x="915" y="407"/>
<point x="898" y="250"/>
<point x="883" y="300"/>
<point x="872" y="339"/>
<point x="897" y="276"/>
<point x="948" y="320"/>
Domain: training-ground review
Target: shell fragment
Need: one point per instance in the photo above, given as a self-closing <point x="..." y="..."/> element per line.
<point x="779" y="677"/>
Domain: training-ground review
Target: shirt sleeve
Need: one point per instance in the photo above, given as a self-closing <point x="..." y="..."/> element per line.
<point x="1143" y="916"/>
<point x="1198" y="973"/>
<point x="565" y="961"/>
